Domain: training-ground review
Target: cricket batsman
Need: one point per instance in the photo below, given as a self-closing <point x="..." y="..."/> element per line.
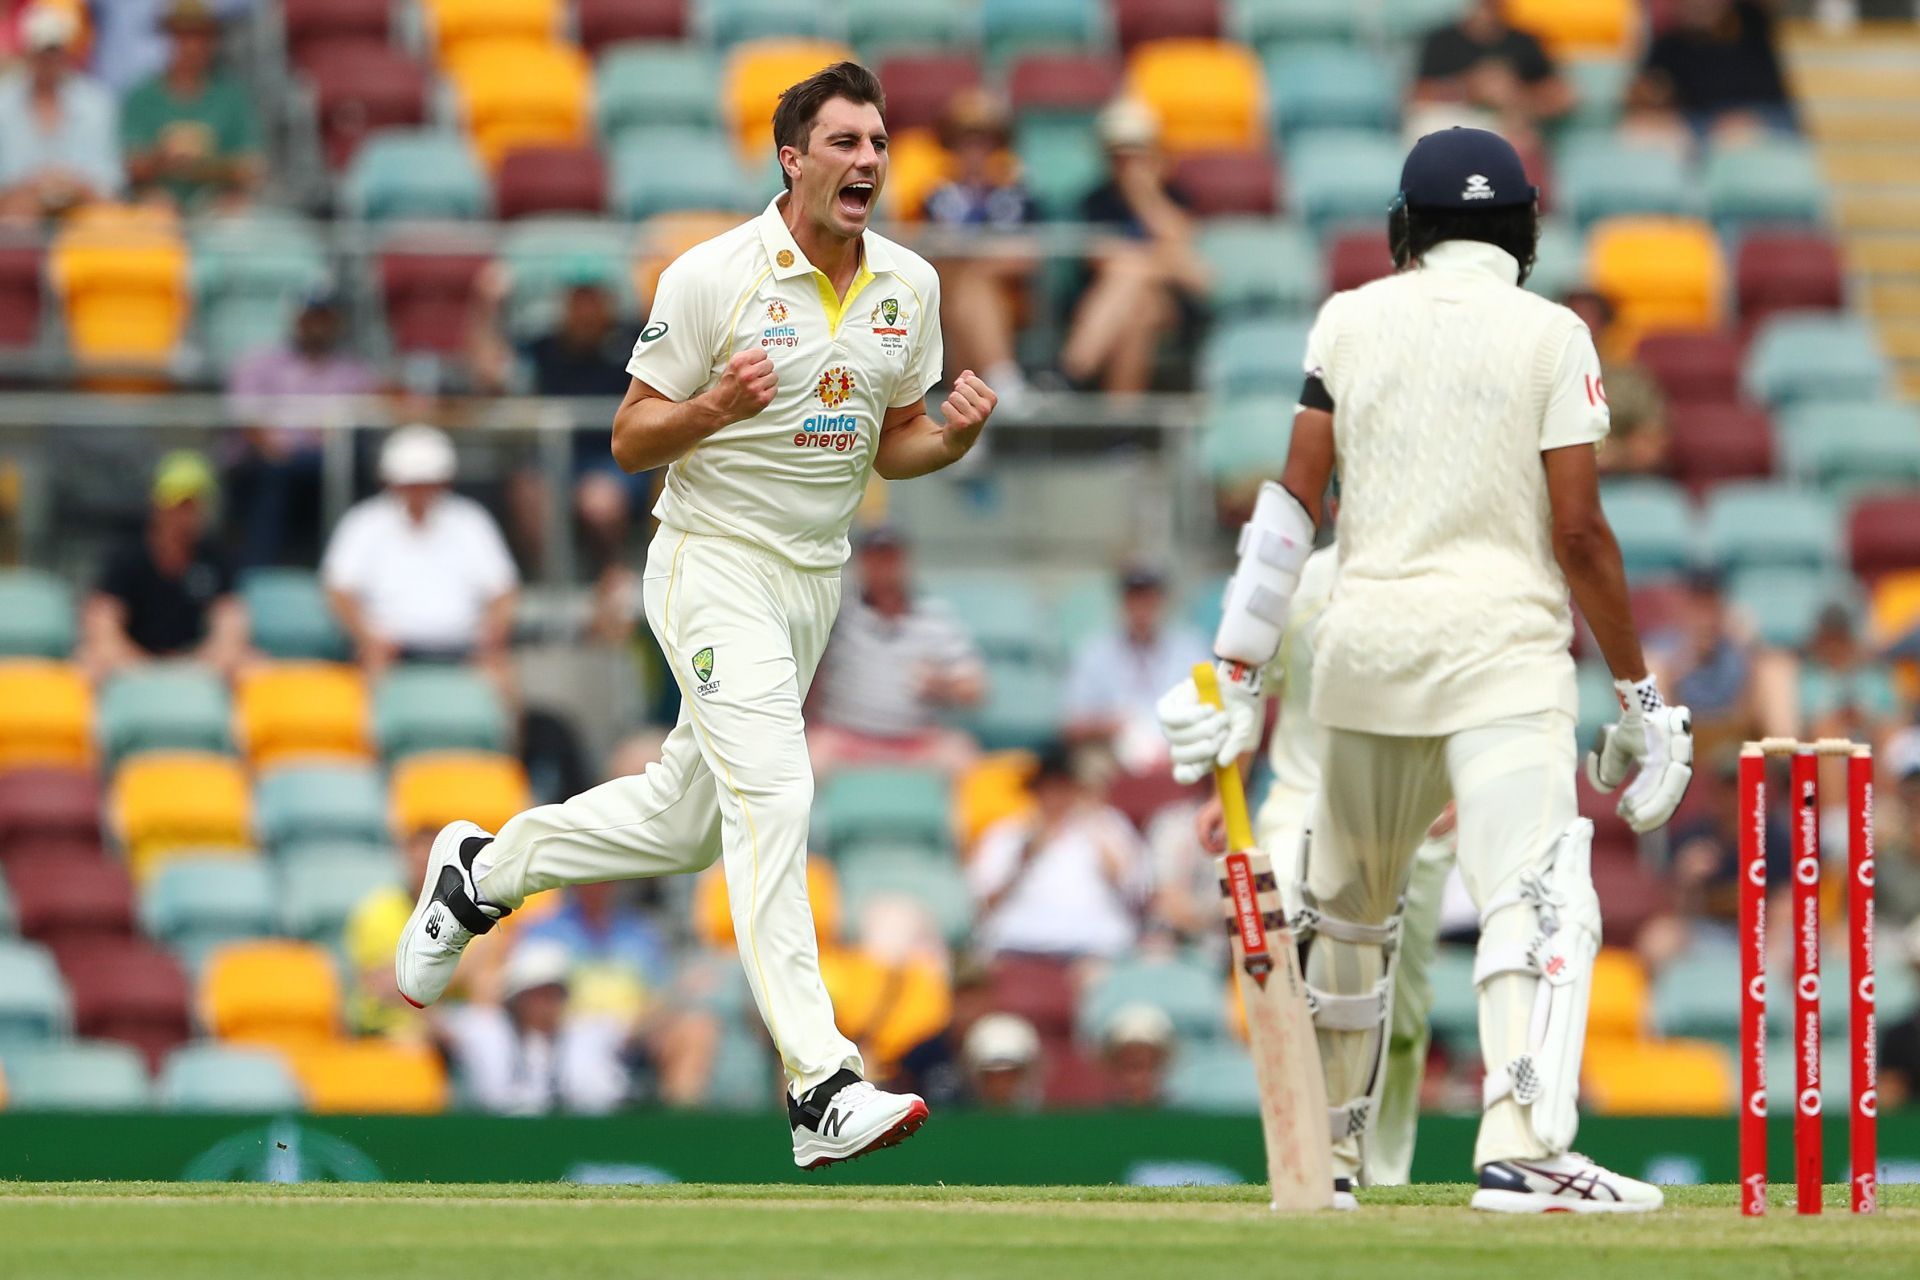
<point x="1462" y="413"/>
<point x="781" y="363"/>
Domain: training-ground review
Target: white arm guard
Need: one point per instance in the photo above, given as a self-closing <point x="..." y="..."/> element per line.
<point x="1273" y="546"/>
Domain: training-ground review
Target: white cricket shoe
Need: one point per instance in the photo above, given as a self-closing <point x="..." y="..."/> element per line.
<point x="447" y="917"/>
<point x="1568" y="1183"/>
<point x="1343" y="1197"/>
<point x="845" y="1117"/>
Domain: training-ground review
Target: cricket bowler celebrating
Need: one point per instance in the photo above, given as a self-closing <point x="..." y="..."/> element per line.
<point x="1462" y="413"/>
<point x="780" y="363"/>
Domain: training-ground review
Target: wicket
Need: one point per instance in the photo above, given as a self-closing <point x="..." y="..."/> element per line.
<point x="1805" y="785"/>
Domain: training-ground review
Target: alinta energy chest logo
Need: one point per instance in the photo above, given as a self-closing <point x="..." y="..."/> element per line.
<point x="838" y="432"/>
<point x="778" y="333"/>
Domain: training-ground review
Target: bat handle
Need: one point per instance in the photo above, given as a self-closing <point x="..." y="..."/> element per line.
<point x="1226" y="778"/>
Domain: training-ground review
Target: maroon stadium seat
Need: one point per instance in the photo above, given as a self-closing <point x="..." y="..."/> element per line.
<point x="1714" y="442"/>
<point x="21" y="290"/>
<point x="605" y="22"/>
<point x="1630" y="895"/>
<point x="1608" y="826"/>
<point x="1071" y="1078"/>
<point x="1138" y="20"/>
<point x="1656" y="607"/>
<point x="1693" y="366"/>
<point x="1884" y="534"/>
<point x="127" y="989"/>
<point x="1357" y="257"/>
<point x="429" y="299"/>
<point x="361" y="87"/>
<point x="1787" y="272"/>
<point x="41" y="805"/>
<point x="313" y="25"/>
<point x="1229" y="183"/>
<point x="550" y="180"/>
<point x="56" y="897"/>
<point x="1142" y="795"/>
<point x="1043" y="82"/>
<point x="919" y="86"/>
<point x="1038" y="988"/>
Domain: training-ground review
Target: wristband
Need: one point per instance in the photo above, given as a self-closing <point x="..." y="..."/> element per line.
<point x="1638" y="696"/>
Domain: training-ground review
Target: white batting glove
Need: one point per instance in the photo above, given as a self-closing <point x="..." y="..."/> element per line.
<point x="1200" y="736"/>
<point x="1656" y="737"/>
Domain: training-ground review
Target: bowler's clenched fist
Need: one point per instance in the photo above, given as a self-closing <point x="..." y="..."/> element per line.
<point x="967" y="407"/>
<point x="746" y="387"/>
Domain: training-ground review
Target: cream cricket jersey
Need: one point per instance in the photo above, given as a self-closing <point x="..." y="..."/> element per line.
<point x="1448" y="382"/>
<point x="1297" y="745"/>
<point x="789" y="478"/>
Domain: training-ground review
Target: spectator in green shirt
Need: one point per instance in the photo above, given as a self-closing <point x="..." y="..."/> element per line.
<point x="189" y="132"/>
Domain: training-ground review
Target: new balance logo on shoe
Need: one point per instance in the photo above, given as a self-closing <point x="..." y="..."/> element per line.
<point x="432" y="926"/>
<point x="833" y="1122"/>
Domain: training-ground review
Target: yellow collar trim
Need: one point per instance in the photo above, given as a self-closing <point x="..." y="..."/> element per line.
<point x="835" y="307"/>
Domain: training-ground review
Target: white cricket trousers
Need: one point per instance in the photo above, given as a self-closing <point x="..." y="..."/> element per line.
<point x="743" y="631"/>
<point x="1512" y="783"/>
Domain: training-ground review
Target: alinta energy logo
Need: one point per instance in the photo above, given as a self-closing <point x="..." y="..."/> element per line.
<point x="778" y="333"/>
<point x="838" y="432"/>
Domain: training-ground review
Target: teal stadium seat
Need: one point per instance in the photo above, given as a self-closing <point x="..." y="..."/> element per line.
<point x="33" y="997"/>
<point x="1865" y="689"/>
<point x="1456" y="1008"/>
<point x="415" y="173"/>
<point x="171" y="707"/>
<point x="36" y="615"/>
<point x="1851" y="449"/>
<point x="1255" y="357"/>
<point x="88" y="1075"/>
<point x="1340" y="177"/>
<point x="1815" y="356"/>
<point x="194" y="905"/>
<point x="9" y="918"/>
<point x="1022" y="709"/>
<point x="1003" y="612"/>
<point x="891" y="807"/>
<point x="648" y="86"/>
<point x="725" y="23"/>
<point x="438" y="708"/>
<point x="1784" y="602"/>
<point x="670" y="169"/>
<point x="1009" y="28"/>
<point x="319" y="894"/>
<point x="544" y="256"/>
<point x="1246" y="437"/>
<point x="1275" y="25"/>
<point x="1407" y="20"/>
<point x="934" y="881"/>
<point x="1200" y="604"/>
<point x="289" y="616"/>
<point x="1330" y="86"/>
<point x="1599" y="704"/>
<point x="1765" y="181"/>
<point x="1261" y="267"/>
<point x="880" y="28"/>
<point x="1600" y="89"/>
<point x="1653" y="522"/>
<point x="1694" y="994"/>
<point x="1599" y="177"/>
<point x="742" y="1074"/>
<point x="311" y="804"/>
<point x="1189" y="991"/>
<point x="1085" y="607"/>
<point x="1560" y="260"/>
<point x="1214" y="1076"/>
<point x="1835" y="1080"/>
<point x="1748" y="524"/>
<point x="249" y="274"/>
<point x="1060" y="160"/>
<point x="218" y="1077"/>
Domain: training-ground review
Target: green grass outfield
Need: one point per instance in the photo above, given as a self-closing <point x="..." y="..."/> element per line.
<point x="157" y="1231"/>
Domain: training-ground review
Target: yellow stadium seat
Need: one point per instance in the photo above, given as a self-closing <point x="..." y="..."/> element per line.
<point x="885" y="1009"/>
<point x="48" y="716"/>
<point x="1896" y="605"/>
<point x="434" y="788"/>
<point x="369" y="1076"/>
<point x="1586" y="27"/>
<point x="713" y="917"/>
<point x="293" y="709"/>
<point x="166" y="801"/>
<point x="1209" y="94"/>
<point x="666" y="236"/>
<point x="992" y="790"/>
<point x="1619" y="1001"/>
<point x="1656" y="1077"/>
<point x="918" y="164"/>
<point x="273" y="992"/>
<point x="522" y="93"/>
<point x="122" y="277"/>
<point x="1659" y="273"/>
<point x="456" y="24"/>
<point x="758" y="72"/>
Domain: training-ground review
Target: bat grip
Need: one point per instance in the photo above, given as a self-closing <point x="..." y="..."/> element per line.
<point x="1226" y="778"/>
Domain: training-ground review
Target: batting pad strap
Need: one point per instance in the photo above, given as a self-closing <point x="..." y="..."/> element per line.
<point x="1309" y="921"/>
<point x="1351" y="1119"/>
<point x="1520" y="1078"/>
<point x="1490" y="961"/>
<point x="1274" y="543"/>
<point x="1364" y="1012"/>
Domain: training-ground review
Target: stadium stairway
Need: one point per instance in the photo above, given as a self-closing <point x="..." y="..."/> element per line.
<point x="1861" y="93"/>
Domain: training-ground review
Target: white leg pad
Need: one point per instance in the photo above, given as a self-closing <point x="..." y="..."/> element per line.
<point x="1369" y="1011"/>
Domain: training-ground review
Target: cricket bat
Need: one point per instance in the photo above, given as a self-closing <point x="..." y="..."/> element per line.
<point x="1286" y="1056"/>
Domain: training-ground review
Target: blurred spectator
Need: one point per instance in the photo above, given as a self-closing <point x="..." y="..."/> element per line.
<point x="190" y="133"/>
<point x="533" y="1053"/>
<point x="59" y="143"/>
<point x="936" y="1068"/>
<point x="1844" y="690"/>
<point x="1707" y="664"/>
<point x="1117" y="676"/>
<point x="584" y="354"/>
<point x="1897" y="856"/>
<point x="1501" y="76"/>
<point x="620" y="960"/>
<point x="169" y="592"/>
<point x="374" y="1005"/>
<point x="130" y="43"/>
<point x="1136" y="1048"/>
<point x="1002" y="1054"/>
<point x="1638" y="441"/>
<point x="418" y="573"/>
<point x="1068" y="880"/>
<point x="1717" y="66"/>
<point x="285" y="394"/>
<point x="897" y="660"/>
<point x="890" y="989"/>
<point x="1146" y="271"/>
<point x="981" y="294"/>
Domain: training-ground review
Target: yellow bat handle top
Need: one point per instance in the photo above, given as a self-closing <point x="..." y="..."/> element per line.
<point x="1226" y="778"/>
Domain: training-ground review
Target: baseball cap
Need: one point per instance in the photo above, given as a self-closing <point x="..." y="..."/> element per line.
<point x="1463" y="168"/>
<point x="1001" y="1041"/>
<point x="417" y="454"/>
<point x="1128" y="123"/>
<point x="49" y="26"/>
<point x="533" y="965"/>
<point x="880" y="537"/>
<point x="182" y="476"/>
<point x="1138" y="1023"/>
<point x="1142" y="577"/>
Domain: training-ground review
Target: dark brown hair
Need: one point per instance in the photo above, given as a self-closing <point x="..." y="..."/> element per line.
<point x="793" y="118"/>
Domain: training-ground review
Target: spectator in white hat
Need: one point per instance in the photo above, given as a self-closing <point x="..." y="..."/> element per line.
<point x="417" y="573"/>
<point x="1002" y="1054"/>
<point x="59" y="129"/>
<point x="1136" y="1048"/>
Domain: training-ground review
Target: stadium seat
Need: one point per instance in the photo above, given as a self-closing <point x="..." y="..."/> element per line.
<point x="918" y="167"/>
<point x="40" y="803"/>
<point x="1261" y="267"/>
<point x="370" y="1077"/>
<point x="1809" y="355"/>
<point x="312" y="27"/>
<point x="549" y="180"/>
<point x="9" y="925"/>
<point x="545" y="256"/>
<point x="1022" y="708"/>
<point x="726" y="23"/>
<point x="990" y="791"/>
<point x="59" y="899"/>
<point x="84" y="1076"/>
<point x="1187" y="991"/>
<point x="33" y="997"/>
<point x="1003" y="612"/>
<point x="1456" y="1014"/>
<point x="1654" y="524"/>
<point x="127" y="990"/>
<point x="22" y="295"/>
<point x="1337" y="178"/>
<point x="1787" y="271"/>
<point x="272" y="992"/>
<point x="756" y="74"/>
<point x="521" y="93"/>
<point x="1600" y="90"/>
<point x="315" y="803"/>
<point x="1257" y="356"/>
<point x="1215" y="1077"/>
<point x="414" y="173"/>
<point x="712" y="911"/>
<point x="428" y="295"/>
<point x="890" y="807"/>
<point x="218" y="1077"/>
<point x="1270" y="25"/>
<point x="1570" y="27"/>
<point x="1712" y="443"/>
<point x="438" y="787"/>
<point x="1356" y="258"/>
<point x="196" y="904"/>
<point x="1010" y="28"/>
<point x="610" y="22"/>
<point x="49" y="718"/>
<point x="1137" y="22"/>
<point x="1246" y="437"/>
<point x="649" y="86"/>
<point x="1207" y="94"/>
<point x="250" y="273"/>
<point x="431" y="708"/>
<point x="1313" y="87"/>
<point x="1238" y="183"/>
<point x="176" y="706"/>
<point x="1883" y="535"/>
<point x="164" y="801"/>
<point x="1659" y="273"/>
<point x="1657" y="1077"/>
<point x="1060" y="159"/>
<point x="670" y="169"/>
<point x="121" y="273"/>
<point x="1070" y="84"/>
<point x="1849" y="449"/>
<point x="1703" y="367"/>
<point x="289" y="617"/>
<point x="1618" y="1003"/>
<point x="1599" y="705"/>
<point x="1560" y="260"/>
<point x="319" y="894"/>
<point x="885" y="27"/>
<point x="1768" y="180"/>
<point x="1604" y="177"/>
<point x="897" y="1004"/>
<point x="1867" y="692"/>
<point x="291" y="710"/>
<point x="361" y="89"/>
<point x="1895" y="595"/>
<point x="920" y="85"/>
<point x="456" y="25"/>
<point x="1757" y="523"/>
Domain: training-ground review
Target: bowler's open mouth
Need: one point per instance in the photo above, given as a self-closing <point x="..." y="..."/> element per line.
<point x="856" y="197"/>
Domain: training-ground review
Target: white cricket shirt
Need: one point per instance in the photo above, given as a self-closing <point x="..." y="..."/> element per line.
<point x="425" y="585"/>
<point x="1448" y="382"/>
<point x="789" y="478"/>
<point x="1297" y="745"/>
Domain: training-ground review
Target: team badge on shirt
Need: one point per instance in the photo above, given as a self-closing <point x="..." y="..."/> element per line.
<point x="703" y="668"/>
<point x="884" y="320"/>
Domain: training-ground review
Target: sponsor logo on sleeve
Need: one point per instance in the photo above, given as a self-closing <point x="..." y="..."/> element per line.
<point x="654" y="332"/>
